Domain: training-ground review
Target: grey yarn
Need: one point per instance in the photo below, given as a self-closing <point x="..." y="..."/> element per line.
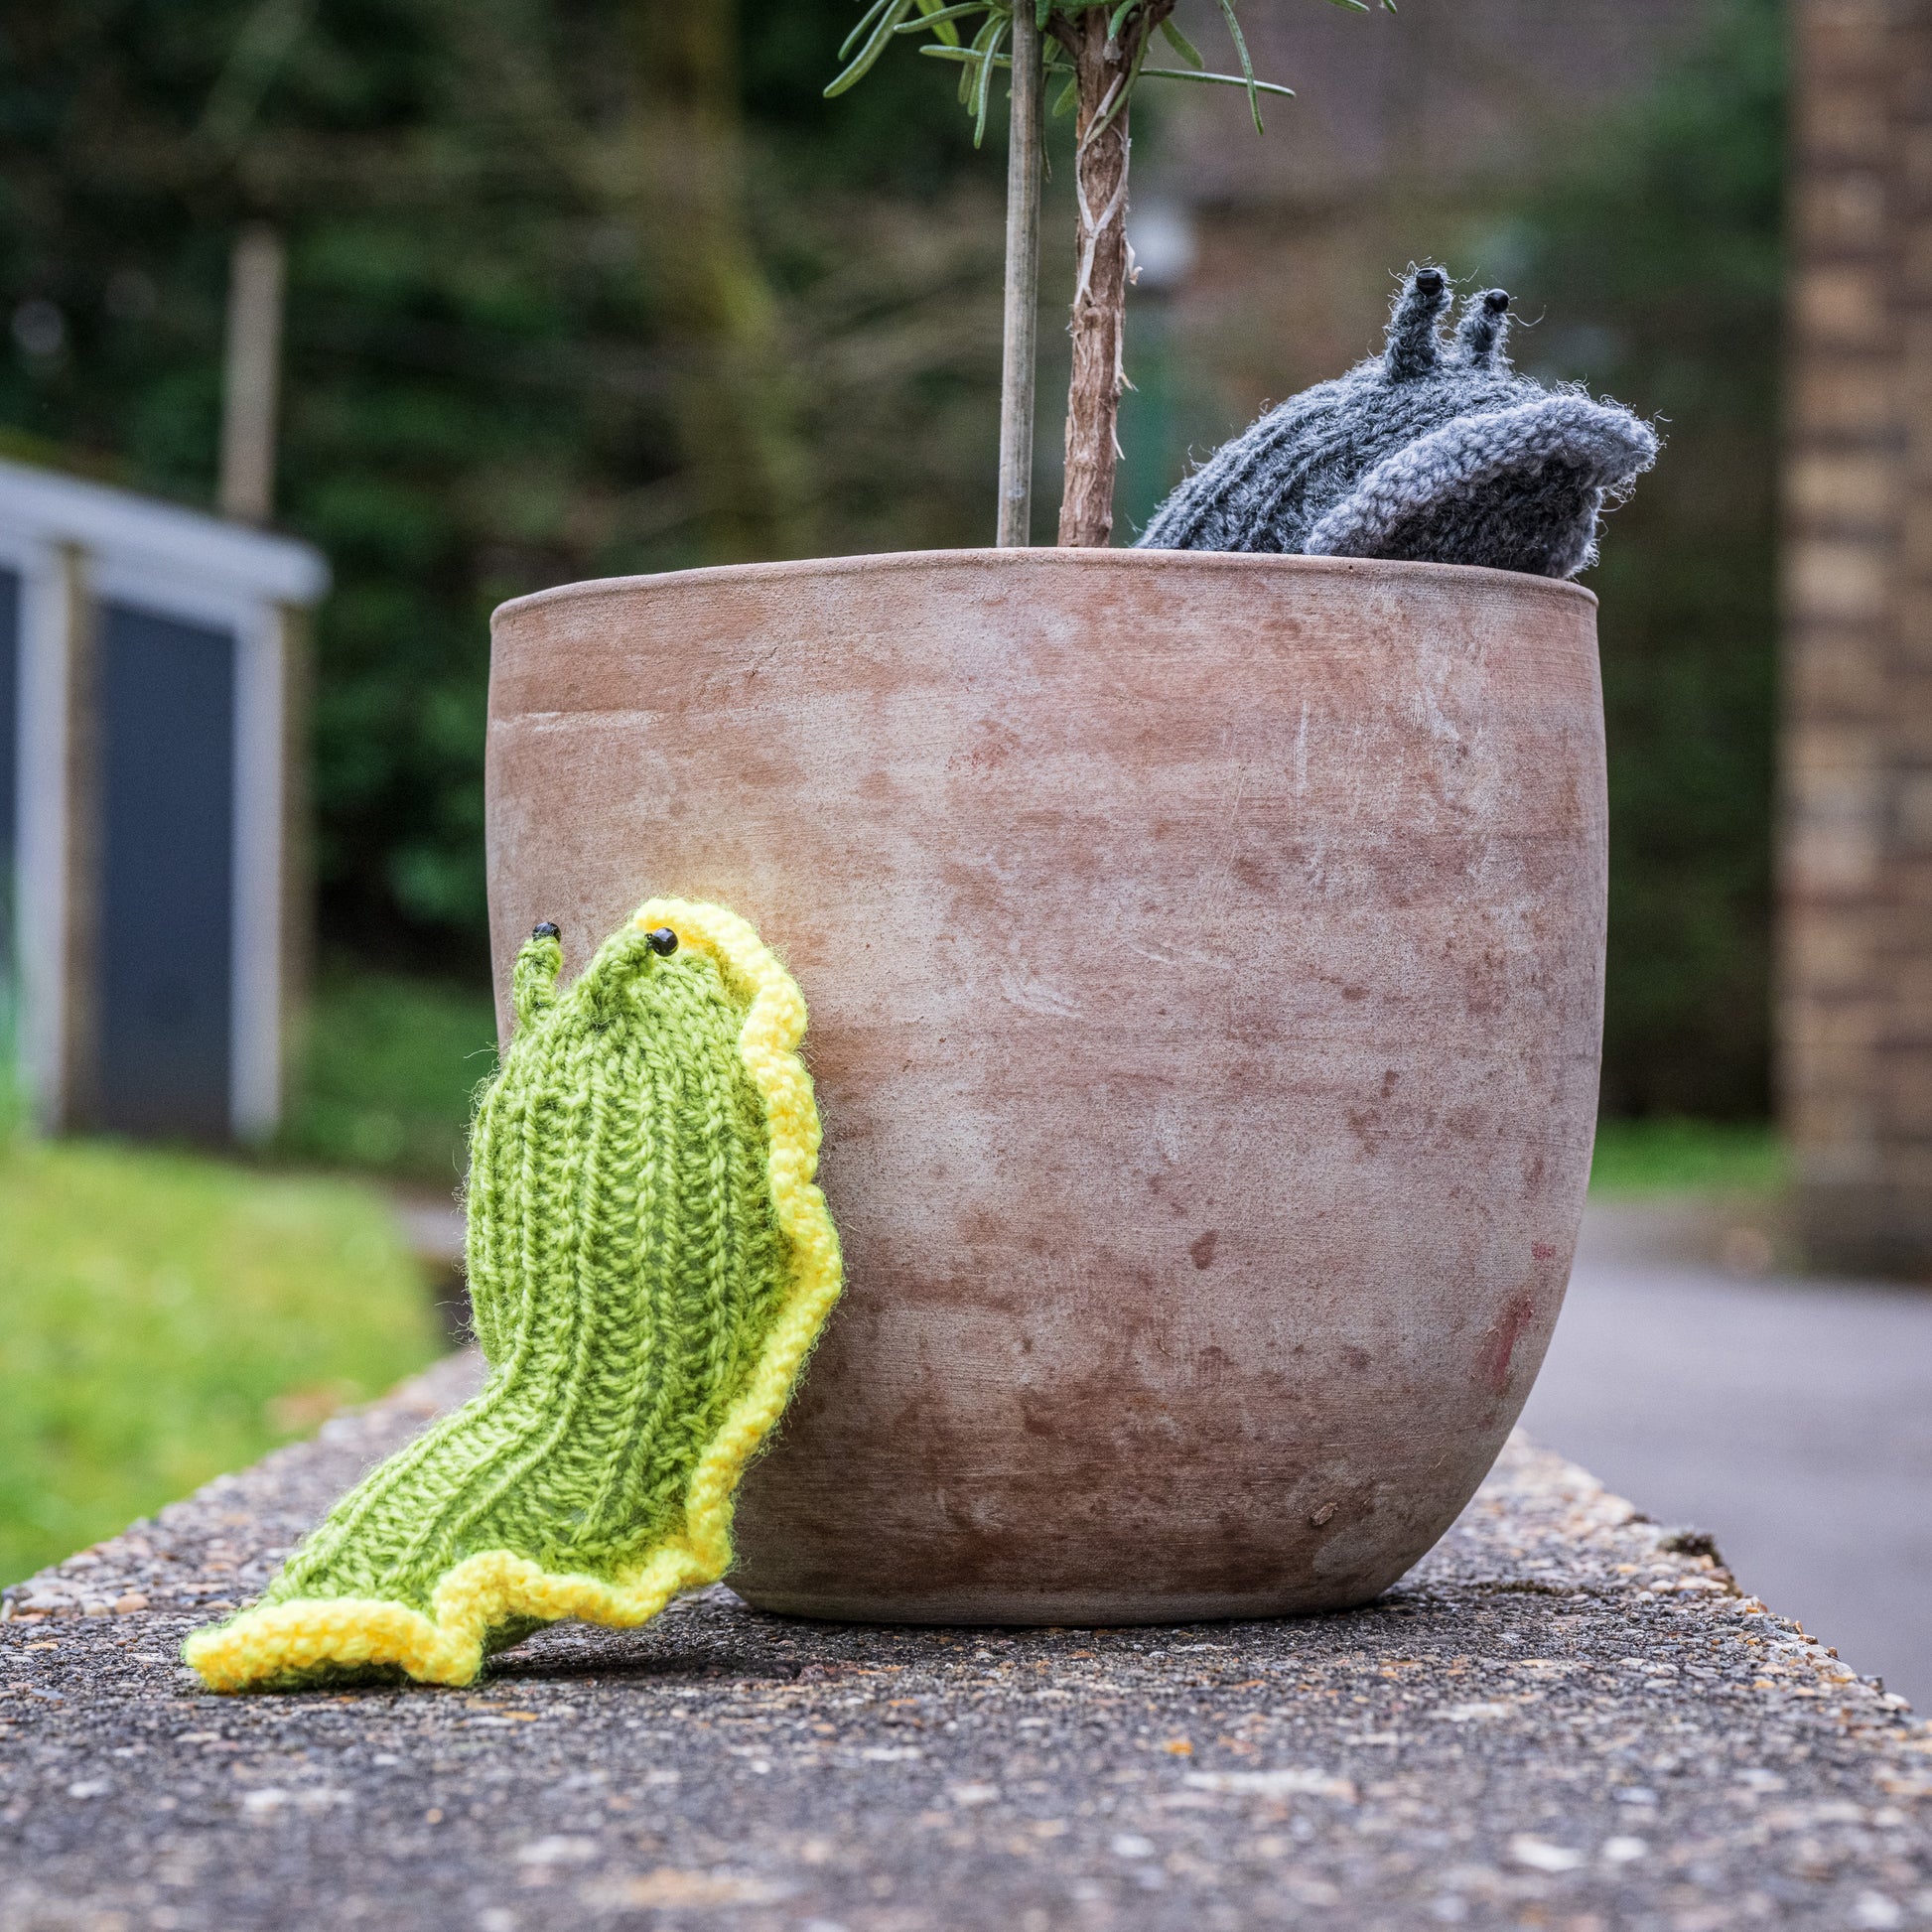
<point x="1435" y="452"/>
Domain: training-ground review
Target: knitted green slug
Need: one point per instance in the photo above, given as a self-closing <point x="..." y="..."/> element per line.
<point x="649" y="1263"/>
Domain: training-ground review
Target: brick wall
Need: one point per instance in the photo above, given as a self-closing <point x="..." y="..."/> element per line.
<point x="1856" y="1000"/>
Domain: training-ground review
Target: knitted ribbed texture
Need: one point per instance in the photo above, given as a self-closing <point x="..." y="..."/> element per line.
<point x="1435" y="452"/>
<point x="649" y="1263"/>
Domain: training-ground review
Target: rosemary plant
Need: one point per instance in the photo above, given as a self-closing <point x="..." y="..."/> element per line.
<point x="1098" y="55"/>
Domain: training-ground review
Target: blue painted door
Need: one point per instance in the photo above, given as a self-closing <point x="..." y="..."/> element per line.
<point x="166" y="750"/>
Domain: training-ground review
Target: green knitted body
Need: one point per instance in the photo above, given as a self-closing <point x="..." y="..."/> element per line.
<point x="624" y="1266"/>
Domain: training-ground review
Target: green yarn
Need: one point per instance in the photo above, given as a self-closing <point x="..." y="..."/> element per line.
<point x="625" y="1266"/>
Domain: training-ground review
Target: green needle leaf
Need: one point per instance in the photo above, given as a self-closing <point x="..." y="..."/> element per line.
<point x="1218" y="80"/>
<point x="1247" y="65"/>
<point x="866" y="19"/>
<point x="881" y="38"/>
<point x="941" y="19"/>
<point x="1181" y="45"/>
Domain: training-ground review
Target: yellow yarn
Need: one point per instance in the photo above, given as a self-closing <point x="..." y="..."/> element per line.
<point x="486" y="1592"/>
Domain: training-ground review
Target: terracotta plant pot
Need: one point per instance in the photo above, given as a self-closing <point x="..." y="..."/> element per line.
<point x="1205" y="964"/>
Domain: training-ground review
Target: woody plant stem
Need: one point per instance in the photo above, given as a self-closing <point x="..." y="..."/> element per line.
<point x="1102" y="69"/>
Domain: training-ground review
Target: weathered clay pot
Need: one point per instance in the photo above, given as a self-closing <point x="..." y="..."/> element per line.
<point x="1205" y="966"/>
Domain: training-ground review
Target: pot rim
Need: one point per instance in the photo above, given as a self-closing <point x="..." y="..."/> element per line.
<point x="1042" y="556"/>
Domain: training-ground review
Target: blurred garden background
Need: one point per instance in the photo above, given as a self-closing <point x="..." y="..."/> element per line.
<point x="577" y="289"/>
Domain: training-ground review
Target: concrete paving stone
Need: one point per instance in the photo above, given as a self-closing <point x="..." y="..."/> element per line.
<point x="1565" y="1716"/>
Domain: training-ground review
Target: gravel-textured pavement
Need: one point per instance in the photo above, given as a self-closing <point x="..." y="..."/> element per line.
<point x="1559" y="1719"/>
<point x="1791" y="1418"/>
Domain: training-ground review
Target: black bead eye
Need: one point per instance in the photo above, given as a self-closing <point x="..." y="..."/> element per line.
<point x="1497" y="300"/>
<point x="1429" y="280"/>
<point x="549" y="929"/>
<point x="664" y="942"/>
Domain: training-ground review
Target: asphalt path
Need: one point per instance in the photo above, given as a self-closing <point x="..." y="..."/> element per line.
<point x="1792" y="1418"/>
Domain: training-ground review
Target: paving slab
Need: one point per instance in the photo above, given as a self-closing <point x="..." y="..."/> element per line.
<point x="1567" y="1716"/>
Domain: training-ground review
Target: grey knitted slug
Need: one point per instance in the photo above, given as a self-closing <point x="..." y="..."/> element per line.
<point x="1437" y="452"/>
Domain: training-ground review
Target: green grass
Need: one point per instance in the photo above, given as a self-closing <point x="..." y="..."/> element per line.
<point x="388" y="1075"/>
<point x="1672" y="1157"/>
<point x="165" y="1316"/>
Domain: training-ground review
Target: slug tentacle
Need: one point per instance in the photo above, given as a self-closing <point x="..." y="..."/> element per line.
<point x="1414" y="348"/>
<point x="1480" y="334"/>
